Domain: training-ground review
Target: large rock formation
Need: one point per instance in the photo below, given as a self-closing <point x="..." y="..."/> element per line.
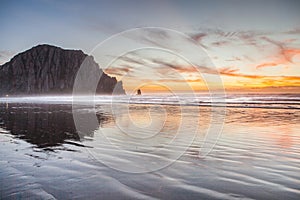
<point x="46" y="69"/>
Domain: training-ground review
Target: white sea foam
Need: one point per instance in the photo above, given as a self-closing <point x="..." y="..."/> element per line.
<point x="277" y="101"/>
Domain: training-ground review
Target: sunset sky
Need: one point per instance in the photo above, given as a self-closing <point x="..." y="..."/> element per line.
<point x="254" y="46"/>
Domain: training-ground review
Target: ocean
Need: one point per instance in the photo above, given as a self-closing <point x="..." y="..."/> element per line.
<point x="238" y="146"/>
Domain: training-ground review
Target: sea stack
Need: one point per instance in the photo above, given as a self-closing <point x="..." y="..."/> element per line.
<point x="46" y="69"/>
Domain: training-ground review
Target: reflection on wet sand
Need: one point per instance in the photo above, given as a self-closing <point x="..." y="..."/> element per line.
<point x="256" y="157"/>
<point x="43" y="125"/>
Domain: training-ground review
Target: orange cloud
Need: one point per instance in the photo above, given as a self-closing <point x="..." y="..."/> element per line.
<point x="287" y="78"/>
<point x="198" y="80"/>
<point x="117" y="71"/>
<point x="284" y="52"/>
<point x="285" y="57"/>
<point x="240" y="80"/>
<point x="266" y="65"/>
<point x="227" y="70"/>
<point x="290" y="53"/>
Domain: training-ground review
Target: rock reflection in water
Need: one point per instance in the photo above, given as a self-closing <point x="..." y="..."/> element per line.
<point x="43" y="125"/>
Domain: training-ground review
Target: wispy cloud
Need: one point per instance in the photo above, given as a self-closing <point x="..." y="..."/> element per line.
<point x="294" y="31"/>
<point x="227" y="70"/>
<point x="118" y="71"/>
<point x="246" y="52"/>
<point x="220" y="43"/>
<point x="198" y="36"/>
<point x="184" y="68"/>
<point x="281" y="78"/>
<point x="263" y="65"/>
<point x="283" y="57"/>
<point x="280" y="46"/>
<point x="290" y="53"/>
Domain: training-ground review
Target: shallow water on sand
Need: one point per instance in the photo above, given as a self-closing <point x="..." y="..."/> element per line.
<point x="42" y="155"/>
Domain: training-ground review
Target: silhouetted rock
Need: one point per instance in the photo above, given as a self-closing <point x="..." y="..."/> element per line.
<point x="47" y="69"/>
